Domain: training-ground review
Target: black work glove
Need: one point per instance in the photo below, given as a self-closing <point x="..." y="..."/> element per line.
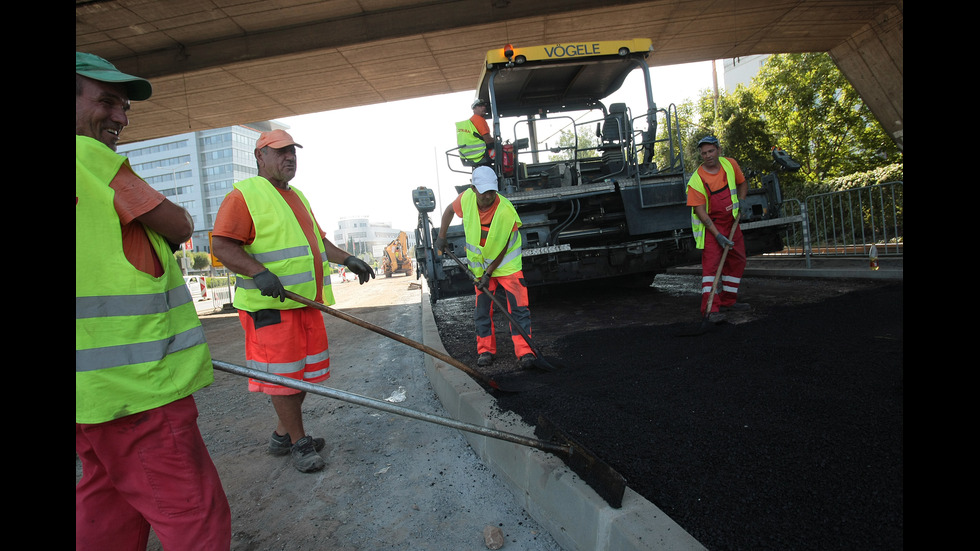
<point x="440" y="244"/>
<point x="484" y="282"/>
<point x="364" y="272"/>
<point x="269" y="284"/>
<point x="724" y="241"/>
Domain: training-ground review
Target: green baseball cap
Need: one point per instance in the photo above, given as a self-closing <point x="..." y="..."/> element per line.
<point x="96" y="68"/>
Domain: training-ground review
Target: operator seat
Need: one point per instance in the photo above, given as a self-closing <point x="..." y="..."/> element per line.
<point x="616" y="137"/>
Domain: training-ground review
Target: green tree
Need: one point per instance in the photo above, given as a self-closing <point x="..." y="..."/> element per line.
<point x="737" y="121"/>
<point x="586" y="145"/>
<point x="818" y="117"/>
<point x="195" y="260"/>
<point x="803" y="104"/>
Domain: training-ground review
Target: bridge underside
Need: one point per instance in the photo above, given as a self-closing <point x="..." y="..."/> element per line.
<point x="215" y="63"/>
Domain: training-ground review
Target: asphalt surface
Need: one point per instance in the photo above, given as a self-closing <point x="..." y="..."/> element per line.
<point x="391" y="482"/>
<point x="779" y="429"/>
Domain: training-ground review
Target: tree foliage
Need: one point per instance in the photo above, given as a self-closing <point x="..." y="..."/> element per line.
<point x="195" y="260"/>
<point x="803" y="104"/>
<point x="818" y="115"/>
<point x="567" y="145"/>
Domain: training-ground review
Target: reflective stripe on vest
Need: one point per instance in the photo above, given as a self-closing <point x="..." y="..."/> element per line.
<point x="133" y="351"/>
<point x="472" y="148"/>
<point x="695" y="182"/>
<point x="281" y="246"/>
<point x="503" y="235"/>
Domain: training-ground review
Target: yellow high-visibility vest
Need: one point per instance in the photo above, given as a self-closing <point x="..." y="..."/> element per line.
<point x="473" y="147"/>
<point x="281" y="246"/>
<point x="695" y="182"/>
<point x="503" y="234"/>
<point x="138" y="341"/>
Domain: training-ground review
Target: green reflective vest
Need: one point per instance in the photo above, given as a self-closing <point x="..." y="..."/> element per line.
<point x="472" y="147"/>
<point x="695" y="182"/>
<point x="503" y="234"/>
<point x="281" y="246"/>
<point x="138" y="341"/>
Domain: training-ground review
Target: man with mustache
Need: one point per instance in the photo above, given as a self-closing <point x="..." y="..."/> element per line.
<point x="266" y="233"/>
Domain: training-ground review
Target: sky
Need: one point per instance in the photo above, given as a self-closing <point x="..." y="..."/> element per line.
<point x="365" y="161"/>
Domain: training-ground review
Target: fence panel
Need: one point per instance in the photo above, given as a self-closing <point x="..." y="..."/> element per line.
<point x="849" y="222"/>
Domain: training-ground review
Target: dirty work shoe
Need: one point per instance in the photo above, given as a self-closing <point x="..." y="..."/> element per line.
<point x="280" y="445"/>
<point x="716" y="317"/>
<point x="485" y="359"/>
<point x="305" y="458"/>
<point x="737" y="307"/>
<point x="527" y="361"/>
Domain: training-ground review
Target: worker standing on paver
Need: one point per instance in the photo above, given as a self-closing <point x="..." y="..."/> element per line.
<point x="474" y="138"/>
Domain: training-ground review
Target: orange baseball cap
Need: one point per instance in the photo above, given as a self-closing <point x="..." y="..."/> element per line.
<point x="276" y="139"/>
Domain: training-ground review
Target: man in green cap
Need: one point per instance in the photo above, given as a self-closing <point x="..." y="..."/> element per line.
<point x="140" y="351"/>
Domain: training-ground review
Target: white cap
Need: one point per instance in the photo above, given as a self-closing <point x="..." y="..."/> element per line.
<point x="484" y="179"/>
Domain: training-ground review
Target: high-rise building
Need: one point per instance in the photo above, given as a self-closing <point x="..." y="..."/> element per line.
<point x="197" y="169"/>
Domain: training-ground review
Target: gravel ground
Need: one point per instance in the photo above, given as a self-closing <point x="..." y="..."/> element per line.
<point x="391" y="482"/>
<point x="781" y="428"/>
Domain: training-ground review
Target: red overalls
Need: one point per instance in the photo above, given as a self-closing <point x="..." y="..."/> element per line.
<point x="720" y="212"/>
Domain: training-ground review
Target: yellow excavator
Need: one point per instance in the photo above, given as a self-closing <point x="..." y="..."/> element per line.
<point x="396" y="259"/>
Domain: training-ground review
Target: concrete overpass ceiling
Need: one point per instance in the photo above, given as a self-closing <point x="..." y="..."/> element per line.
<point x="215" y="63"/>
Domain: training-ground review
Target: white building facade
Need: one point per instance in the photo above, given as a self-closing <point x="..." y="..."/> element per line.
<point x="741" y="70"/>
<point x="358" y="235"/>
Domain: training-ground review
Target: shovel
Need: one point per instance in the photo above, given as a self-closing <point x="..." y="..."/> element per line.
<point x="540" y="361"/>
<point x="706" y="324"/>
<point x="404" y="340"/>
<point x="602" y="478"/>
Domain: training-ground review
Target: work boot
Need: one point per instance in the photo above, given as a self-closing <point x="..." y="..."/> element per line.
<point x="716" y="317"/>
<point x="736" y="307"/>
<point x="485" y="359"/>
<point x="305" y="458"/>
<point x="527" y="361"/>
<point x="280" y="445"/>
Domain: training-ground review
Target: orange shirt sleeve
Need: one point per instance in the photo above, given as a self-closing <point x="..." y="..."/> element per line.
<point x="481" y="124"/>
<point x="233" y="219"/>
<point x="458" y="205"/>
<point x="133" y="198"/>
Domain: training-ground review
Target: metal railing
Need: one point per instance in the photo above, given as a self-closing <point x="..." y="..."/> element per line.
<point x="847" y="223"/>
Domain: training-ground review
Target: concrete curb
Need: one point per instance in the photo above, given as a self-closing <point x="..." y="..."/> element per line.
<point x="890" y="268"/>
<point x="549" y="491"/>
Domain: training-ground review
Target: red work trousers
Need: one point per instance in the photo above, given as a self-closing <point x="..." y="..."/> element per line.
<point x="149" y="469"/>
<point x="517" y="306"/>
<point x="731" y="272"/>
<point x="290" y="343"/>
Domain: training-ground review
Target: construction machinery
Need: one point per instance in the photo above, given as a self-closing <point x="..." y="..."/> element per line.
<point x="396" y="259"/>
<point x="601" y="191"/>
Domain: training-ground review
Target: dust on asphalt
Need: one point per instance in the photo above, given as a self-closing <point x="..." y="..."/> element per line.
<point x="781" y="428"/>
